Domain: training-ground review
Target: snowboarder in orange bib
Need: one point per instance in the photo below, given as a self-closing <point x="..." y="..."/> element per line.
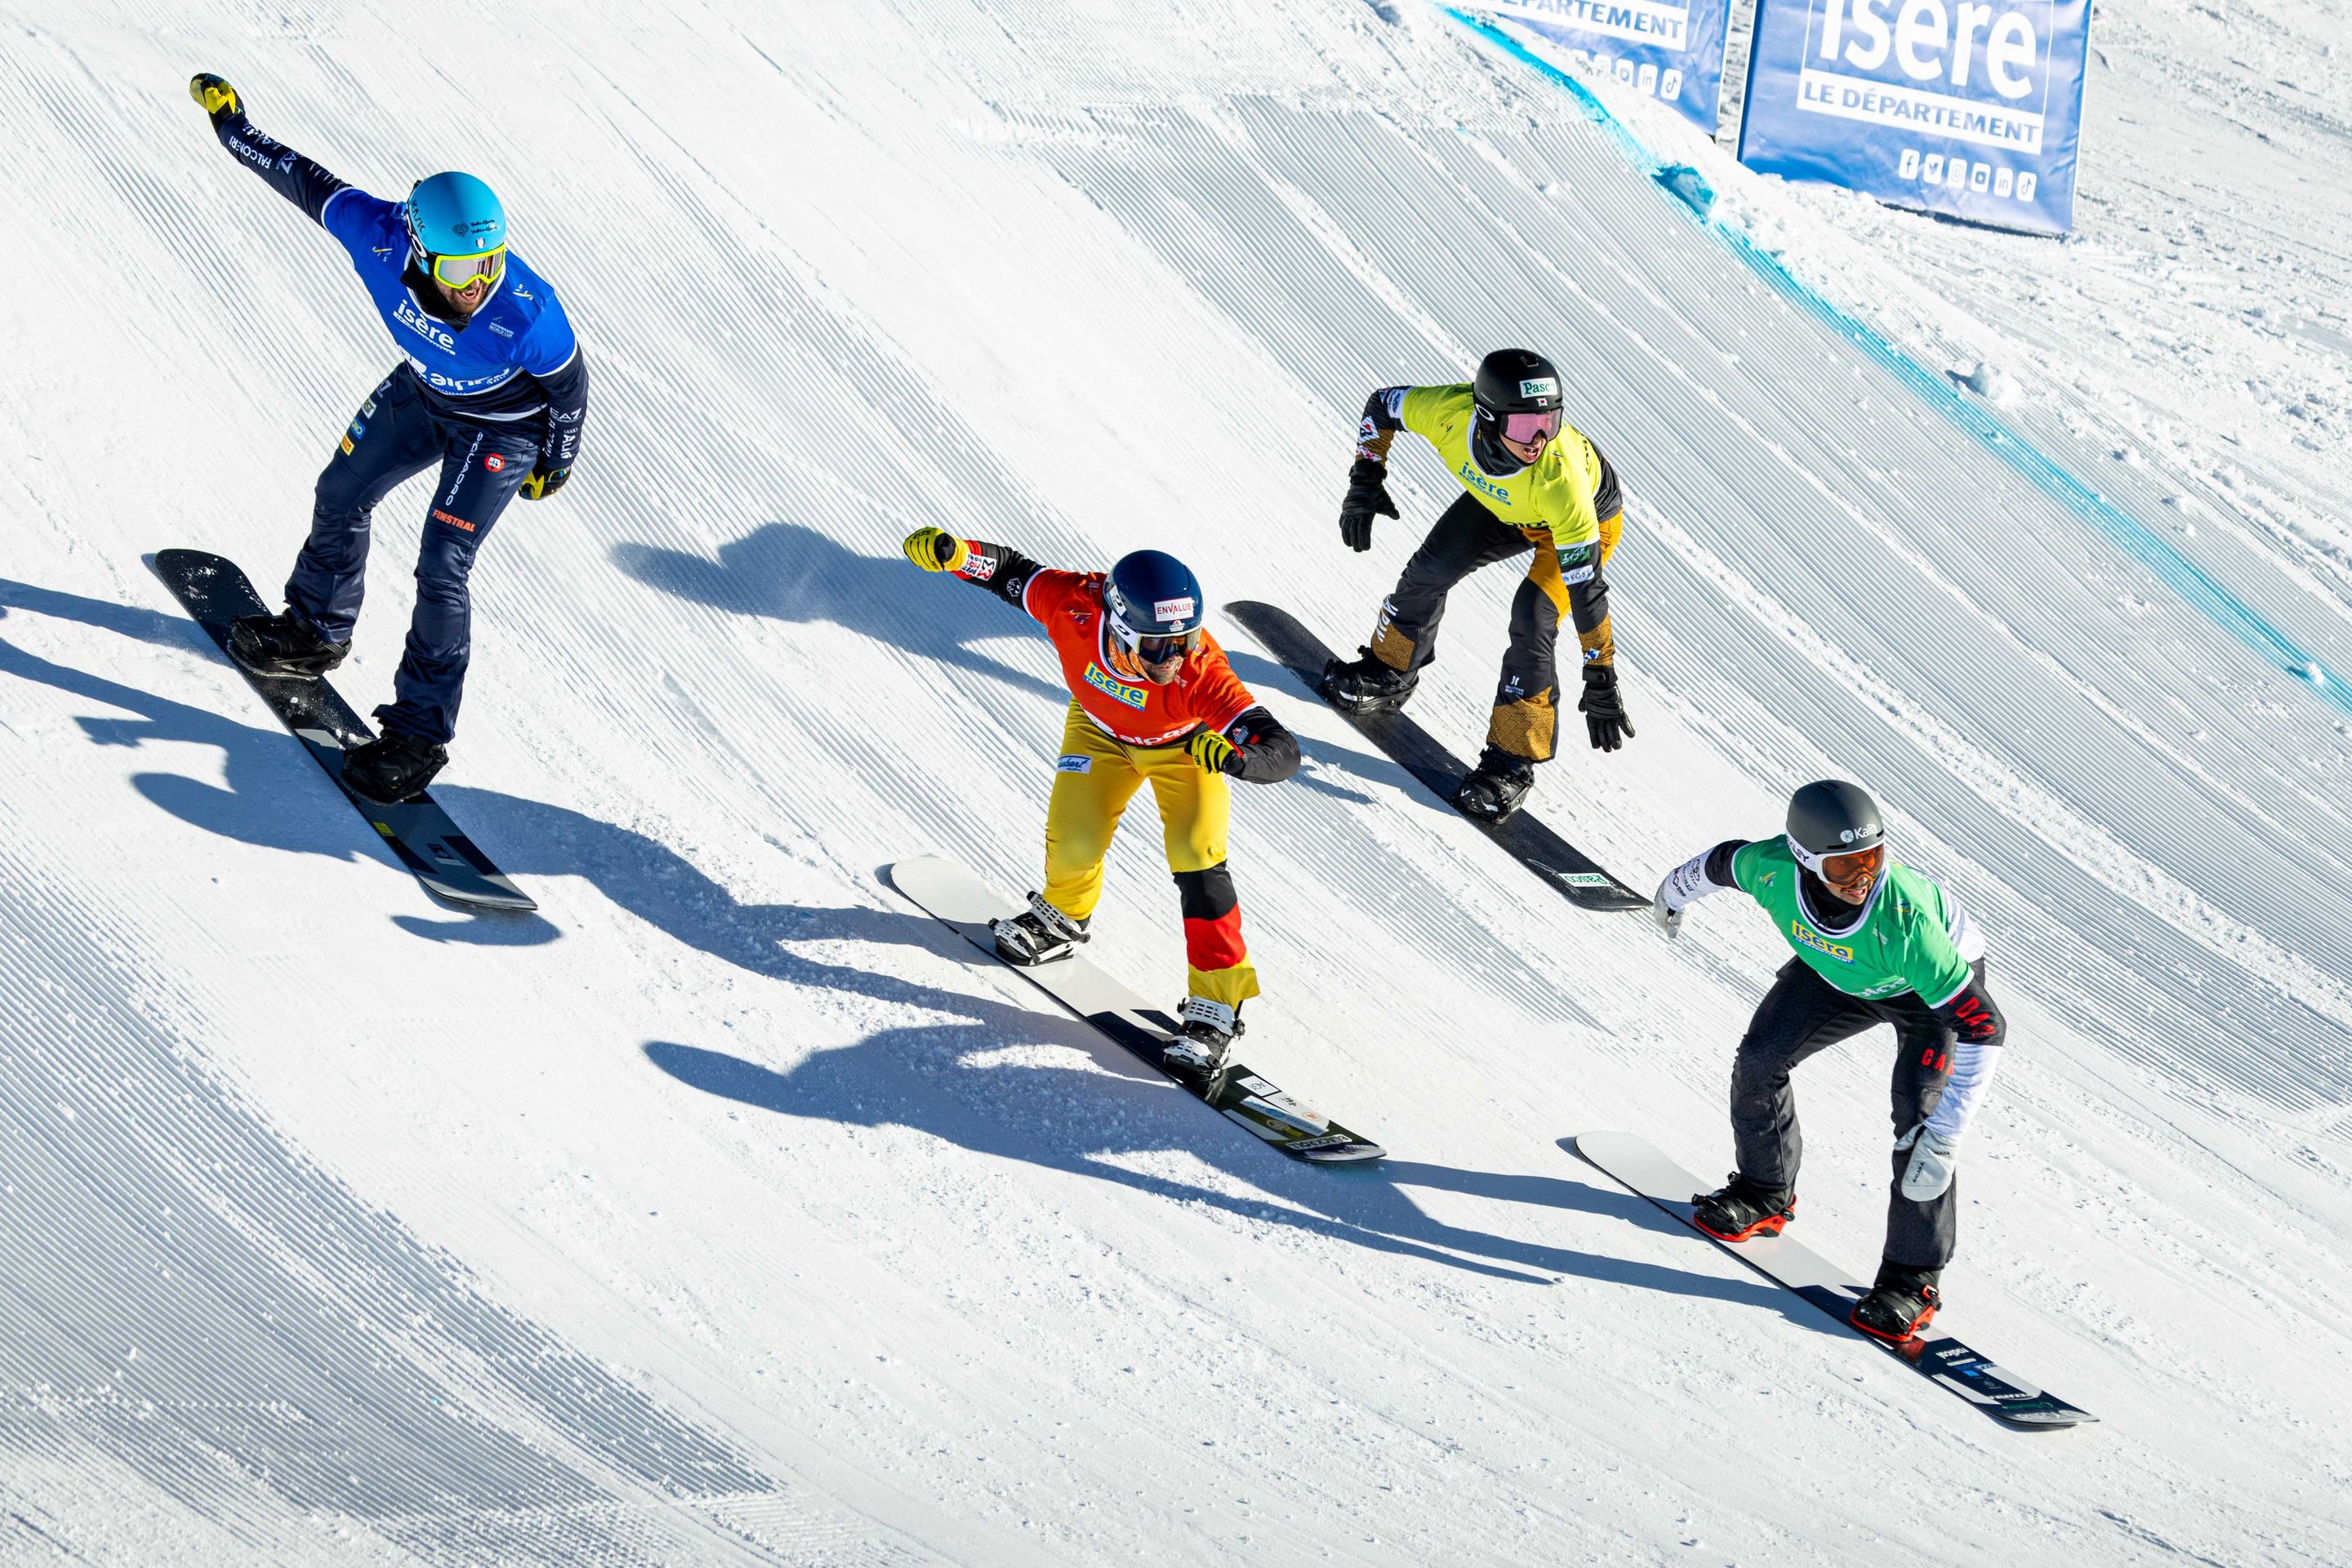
<point x="1151" y="700"/>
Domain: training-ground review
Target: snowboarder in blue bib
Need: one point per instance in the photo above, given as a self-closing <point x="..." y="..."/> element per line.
<point x="492" y="387"/>
<point x="1876" y="942"/>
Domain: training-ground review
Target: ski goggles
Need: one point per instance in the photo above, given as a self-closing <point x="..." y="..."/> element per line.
<point x="1859" y="866"/>
<point x="1852" y="868"/>
<point x="462" y="272"/>
<point x="1840" y="866"/>
<point x="1162" y="649"/>
<point x="1527" y="430"/>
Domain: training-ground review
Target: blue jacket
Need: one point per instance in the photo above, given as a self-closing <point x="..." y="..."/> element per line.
<point x="514" y="359"/>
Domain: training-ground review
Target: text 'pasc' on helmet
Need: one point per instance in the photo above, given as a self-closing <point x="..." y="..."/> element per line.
<point x="1831" y="816"/>
<point x="1517" y="380"/>
<point x="1155" y="606"/>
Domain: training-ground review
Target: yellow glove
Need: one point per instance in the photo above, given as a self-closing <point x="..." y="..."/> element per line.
<point x="1211" y="749"/>
<point x="541" y="483"/>
<point x="936" y="549"/>
<point x="216" y="95"/>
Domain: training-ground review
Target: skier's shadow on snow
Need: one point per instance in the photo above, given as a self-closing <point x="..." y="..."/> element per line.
<point x="954" y="1081"/>
<point x="786" y="571"/>
<point x="951" y="1080"/>
<point x="272" y="794"/>
<point x="938" y="1081"/>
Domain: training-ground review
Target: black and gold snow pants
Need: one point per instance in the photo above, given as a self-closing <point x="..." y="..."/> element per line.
<point x="1468" y="537"/>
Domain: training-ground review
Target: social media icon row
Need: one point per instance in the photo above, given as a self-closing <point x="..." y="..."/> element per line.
<point x="1961" y="174"/>
<point x="1645" y="77"/>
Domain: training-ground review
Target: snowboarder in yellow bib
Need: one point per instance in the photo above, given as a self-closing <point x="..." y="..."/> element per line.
<point x="1530" y="482"/>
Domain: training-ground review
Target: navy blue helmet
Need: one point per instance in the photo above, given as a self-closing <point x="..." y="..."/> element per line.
<point x="1155" y="608"/>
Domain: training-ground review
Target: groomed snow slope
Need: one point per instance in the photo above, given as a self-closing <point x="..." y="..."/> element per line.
<point x="735" y="1212"/>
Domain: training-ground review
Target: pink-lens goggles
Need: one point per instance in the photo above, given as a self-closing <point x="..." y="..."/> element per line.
<point x="1526" y="429"/>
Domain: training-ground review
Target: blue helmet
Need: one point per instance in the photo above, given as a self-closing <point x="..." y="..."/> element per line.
<point x="1155" y="608"/>
<point x="454" y="214"/>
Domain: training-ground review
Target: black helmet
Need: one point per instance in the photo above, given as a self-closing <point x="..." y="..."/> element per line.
<point x="1832" y="817"/>
<point x="1517" y="380"/>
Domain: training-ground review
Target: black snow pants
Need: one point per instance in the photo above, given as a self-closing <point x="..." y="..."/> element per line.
<point x="393" y="436"/>
<point x="1803" y="1013"/>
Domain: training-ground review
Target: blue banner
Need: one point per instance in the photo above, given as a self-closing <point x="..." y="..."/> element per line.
<point x="1667" y="49"/>
<point x="1959" y="107"/>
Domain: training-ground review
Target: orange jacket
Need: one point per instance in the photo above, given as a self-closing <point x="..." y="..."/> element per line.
<point x="1206" y="692"/>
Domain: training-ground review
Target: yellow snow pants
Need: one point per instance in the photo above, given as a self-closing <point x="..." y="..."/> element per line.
<point x="1095" y="779"/>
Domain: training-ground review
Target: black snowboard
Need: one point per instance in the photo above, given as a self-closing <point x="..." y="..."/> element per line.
<point x="216" y="591"/>
<point x="1422" y="755"/>
<point x="1941" y="1359"/>
<point x="960" y="901"/>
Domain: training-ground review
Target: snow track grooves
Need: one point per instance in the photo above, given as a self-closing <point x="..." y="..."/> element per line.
<point x="1828" y="504"/>
<point x="196" y="1303"/>
<point x="730" y="1153"/>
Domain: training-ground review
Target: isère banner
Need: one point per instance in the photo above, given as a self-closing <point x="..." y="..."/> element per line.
<point x="1671" y="49"/>
<point x="1970" y="108"/>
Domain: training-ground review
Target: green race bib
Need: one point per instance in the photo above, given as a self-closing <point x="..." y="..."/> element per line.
<point x="1903" y="942"/>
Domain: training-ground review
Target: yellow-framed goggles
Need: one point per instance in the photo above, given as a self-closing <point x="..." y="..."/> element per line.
<point x="462" y="272"/>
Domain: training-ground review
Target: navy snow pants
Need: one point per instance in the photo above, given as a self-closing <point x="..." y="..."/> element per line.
<point x="393" y="437"/>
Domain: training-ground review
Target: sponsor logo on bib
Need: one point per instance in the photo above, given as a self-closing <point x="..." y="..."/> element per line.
<point x="423" y="326"/>
<point x="1799" y="931"/>
<point x="1478" y="482"/>
<point x="1102" y="680"/>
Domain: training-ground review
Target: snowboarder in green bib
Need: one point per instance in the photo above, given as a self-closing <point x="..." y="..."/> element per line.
<point x="1876" y="942"/>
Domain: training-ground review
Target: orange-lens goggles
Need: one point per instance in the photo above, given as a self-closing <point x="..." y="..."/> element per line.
<point x="1849" y="868"/>
<point x="464" y="271"/>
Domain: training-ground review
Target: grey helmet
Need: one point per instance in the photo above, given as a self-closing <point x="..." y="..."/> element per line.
<point x="1831" y="816"/>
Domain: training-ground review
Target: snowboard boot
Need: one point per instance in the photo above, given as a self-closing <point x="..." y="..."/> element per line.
<point x="1205" y="1030"/>
<point x="1495" y="787"/>
<point x="1900" y="1304"/>
<point x="288" y="643"/>
<point x="392" y="767"/>
<point x="1740" y="1209"/>
<point x="1038" y="934"/>
<point x="1365" y="685"/>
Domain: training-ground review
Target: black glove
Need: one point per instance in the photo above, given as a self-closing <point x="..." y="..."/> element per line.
<point x="1603" y="709"/>
<point x="1368" y="496"/>
<point x="1971" y="1015"/>
<point x="541" y="483"/>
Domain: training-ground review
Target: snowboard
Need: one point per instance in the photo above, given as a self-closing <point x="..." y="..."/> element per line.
<point x="960" y="901"/>
<point x="1639" y="1165"/>
<point x="215" y="592"/>
<point x="1567" y="869"/>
